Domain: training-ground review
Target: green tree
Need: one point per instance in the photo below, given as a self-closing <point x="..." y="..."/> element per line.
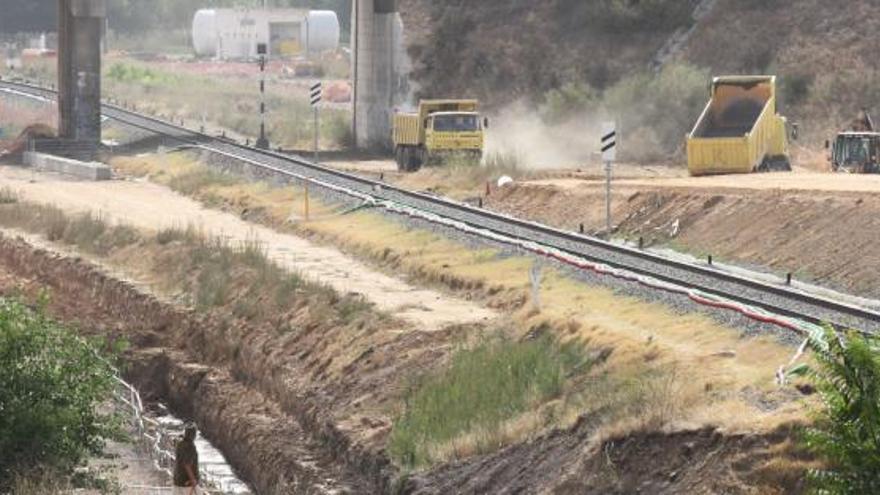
<point x="847" y="429"/>
<point x="51" y="382"/>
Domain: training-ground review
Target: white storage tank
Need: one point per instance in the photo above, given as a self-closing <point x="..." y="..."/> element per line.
<point x="235" y="33"/>
<point x="204" y="33"/>
<point x="322" y="31"/>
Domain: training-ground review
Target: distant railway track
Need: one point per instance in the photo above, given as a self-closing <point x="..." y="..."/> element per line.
<point x="771" y="303"/>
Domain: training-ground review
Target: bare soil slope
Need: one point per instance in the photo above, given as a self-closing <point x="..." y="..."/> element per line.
<point x="821" y="228"/>
<point x="699" y="461"/>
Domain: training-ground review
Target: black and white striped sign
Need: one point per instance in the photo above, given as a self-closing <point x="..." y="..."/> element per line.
<point x="316" y="93"/>
<point x="609" y="141"/>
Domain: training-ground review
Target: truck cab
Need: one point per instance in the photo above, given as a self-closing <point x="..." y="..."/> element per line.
<point x="454" y="132"/>
<point x="856" y="153"/>
<point x="439" y="128"/>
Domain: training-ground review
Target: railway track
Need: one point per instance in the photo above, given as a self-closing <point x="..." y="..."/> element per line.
<point x="778" y="304"/>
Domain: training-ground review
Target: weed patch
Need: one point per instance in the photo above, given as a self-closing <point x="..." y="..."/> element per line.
<point x="88" y="232"/>
<point x="482" y="388"/>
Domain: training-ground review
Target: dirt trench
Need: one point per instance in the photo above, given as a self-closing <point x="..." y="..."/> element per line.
<point x="279" y="446"/>
<point x="565" y="462"/>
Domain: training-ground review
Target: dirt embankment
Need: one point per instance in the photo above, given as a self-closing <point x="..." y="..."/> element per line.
<point x="273" y="414"/>
<point x="820" y="228"/>
<point x="269" y="411"/>
<point x="699" y="461"/>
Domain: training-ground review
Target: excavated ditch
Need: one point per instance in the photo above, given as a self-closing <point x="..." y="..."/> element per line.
<point x="278" y="446"/>
<point x="275" y="414"/>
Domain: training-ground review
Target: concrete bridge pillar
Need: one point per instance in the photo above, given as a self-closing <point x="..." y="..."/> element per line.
<point x="376" y="40"/>
<point x="79" y="70"/>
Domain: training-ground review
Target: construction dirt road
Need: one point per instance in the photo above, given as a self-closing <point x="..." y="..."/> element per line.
<point x="148" y="206"/>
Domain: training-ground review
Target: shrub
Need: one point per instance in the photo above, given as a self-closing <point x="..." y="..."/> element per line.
<point x="655" y="112"/>
<point x="847" y="428"/>
<point x="568" y="101"/>
<point x="483" y="387"/>
<point x="796" y="88"/>
<point x="51" y="383"/>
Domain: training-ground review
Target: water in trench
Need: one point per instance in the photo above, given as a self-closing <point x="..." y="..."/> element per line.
<point x="217" y="475"/>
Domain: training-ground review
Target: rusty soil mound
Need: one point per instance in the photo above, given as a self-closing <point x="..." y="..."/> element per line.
<point x="701" y="461"/>
<point x="821" y="233"/>
<point x="13" y="151"/>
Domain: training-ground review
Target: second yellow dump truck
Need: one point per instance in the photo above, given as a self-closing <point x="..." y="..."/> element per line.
<point x="740" y="131"/>
<point x="439" y="128"/>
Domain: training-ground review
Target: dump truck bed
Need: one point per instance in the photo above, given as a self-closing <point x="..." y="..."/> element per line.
<point x="407" y="129"/>
<point x="739" y="127"/>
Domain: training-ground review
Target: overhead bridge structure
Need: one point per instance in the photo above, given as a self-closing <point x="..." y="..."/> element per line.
<point x="379" y="69"/>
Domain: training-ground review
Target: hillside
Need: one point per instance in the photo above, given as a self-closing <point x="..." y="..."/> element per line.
<point x="586" y="57"/>
<point x="502" y="50"/>
<point x="824" y="52"/>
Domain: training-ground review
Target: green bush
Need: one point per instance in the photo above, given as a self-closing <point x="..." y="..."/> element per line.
<point x="568" y="101"/>
<point x="847" y="429"/>
<point x="51" y="383"/>
<point x="483" y="387"/>
<point x="654" y="112"/>
<point x="130" y="73"/>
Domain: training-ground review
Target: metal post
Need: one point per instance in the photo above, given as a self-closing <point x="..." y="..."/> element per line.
<point x="262" y="141"/>
<point x="306" y="201"/>
<point x="608" y="198"/>
<point x="317" y="134"/>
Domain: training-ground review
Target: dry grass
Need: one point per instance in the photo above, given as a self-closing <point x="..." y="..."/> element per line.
<point x="158" y="90"/>
<point x="642" y="334"/>
<point x="666" y="368"/>
<point x="210" y="272"/>
<point x="459" y="179"/>
<point x="257" y="201"/>
<point x="89" y="233"/>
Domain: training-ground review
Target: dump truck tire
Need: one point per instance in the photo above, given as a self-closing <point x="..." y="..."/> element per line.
<point x="399" y="154"/>
<point x="775" y="164"/>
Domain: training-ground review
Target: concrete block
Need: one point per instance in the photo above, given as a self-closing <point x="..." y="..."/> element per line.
<point x="84" y="170"/>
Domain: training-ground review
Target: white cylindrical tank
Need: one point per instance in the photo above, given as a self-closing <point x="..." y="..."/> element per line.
<point x="322" y="31"/>
<point x="204" y="33"/>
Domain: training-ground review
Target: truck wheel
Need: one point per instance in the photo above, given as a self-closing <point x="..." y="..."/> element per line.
<point x="413" y="163"/>
<point x="775" y="164"/>
<point x="399" y="158"/>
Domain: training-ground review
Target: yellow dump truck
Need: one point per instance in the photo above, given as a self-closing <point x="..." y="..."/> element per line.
<point x="439" y="128"/>
<point x="739" y="132"/>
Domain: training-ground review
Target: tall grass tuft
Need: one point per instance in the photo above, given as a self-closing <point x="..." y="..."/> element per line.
<point x="8" y="196"/>
<point x="483" y="387"/>
<point x="88" y="232"/>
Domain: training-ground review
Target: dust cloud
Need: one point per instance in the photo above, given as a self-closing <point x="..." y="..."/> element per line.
<point x="519" y="131"/>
